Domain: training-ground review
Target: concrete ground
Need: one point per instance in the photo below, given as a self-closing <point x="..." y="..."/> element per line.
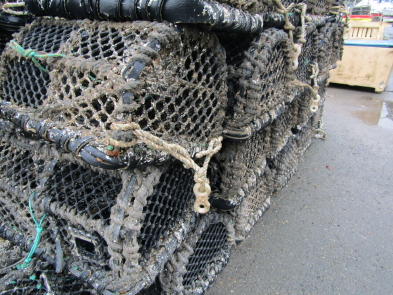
<point x="330" y="230"/>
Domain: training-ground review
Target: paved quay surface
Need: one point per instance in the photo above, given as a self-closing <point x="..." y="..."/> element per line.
<point x="330" y="230"/>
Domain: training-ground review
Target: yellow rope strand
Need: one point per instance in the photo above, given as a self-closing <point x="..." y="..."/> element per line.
<point x="7" y="7"/>
<point x="201" y="188"/>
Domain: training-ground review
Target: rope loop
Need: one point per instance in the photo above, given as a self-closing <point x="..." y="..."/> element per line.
<point x="8" y="8"/>
<point x="201" y="188"/>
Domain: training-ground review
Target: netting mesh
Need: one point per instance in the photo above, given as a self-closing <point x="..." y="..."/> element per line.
<point x="260" y="81"/>
<point x="303" y="139"/>
<point x="108" y="44"/>
<point x="258" y="200"/>
<point x="12" y="216"/>
<point x="330" y="45"/>
<point x="242" y="161"/>
<point x="201" y="257"/>
<point x="21" y="85"/>
<point x="209" y="245"/>
<point x="236" y="46"/>
<point x="47" y="37"/>
<point x="19" y="178"/>
<point x="170" y="201"/>
<point x="338" y="41"/>
<point x="282" y="129"/>
<point x="286" y="162"/>
<point x="255" y="202"/>
<point x="83" y="191"/>
<point x="18" y="167"/>
<point x="319" y="6"/>
<point x="308" y="55"/>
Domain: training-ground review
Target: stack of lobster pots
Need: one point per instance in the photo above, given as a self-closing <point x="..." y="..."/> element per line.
<point x="140" y="140"/>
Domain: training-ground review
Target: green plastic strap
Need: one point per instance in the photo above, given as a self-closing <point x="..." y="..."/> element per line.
<point x="30" y="54"/>
<point x="39" y="230"/>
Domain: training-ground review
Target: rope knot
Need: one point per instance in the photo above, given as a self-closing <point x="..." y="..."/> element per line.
<point x="201" y="188"/>
<point x="29" y="53"/>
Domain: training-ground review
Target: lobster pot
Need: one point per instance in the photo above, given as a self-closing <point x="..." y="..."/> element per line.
<point x="286" y="162"/>
<point x="201" y="257"/>
<point x="304" y="139"/>
<point x="322" y="83"/>
<point x="288" y="124"/>
<point x="255" y="202"/>
<point x="309" y="54"/>
<point x="121" y="226"/>
<point x="240" y="163"/>
<point x="168" y="79"/>
<point x="257" y="6"/>
<point x="264" y="74"/>
<point x="303" y="100"/>
<point x="243" y="163"/>
<point x="330" y="45"/>
<point x="259" y="83"/>
<point x="317" y="118"/>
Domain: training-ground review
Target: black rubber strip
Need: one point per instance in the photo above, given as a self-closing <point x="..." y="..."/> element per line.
<point x="133" y="71"/>
<point x="206" y="13"/>
<point x="222" y="204"/>
<point x="154" y="10"/>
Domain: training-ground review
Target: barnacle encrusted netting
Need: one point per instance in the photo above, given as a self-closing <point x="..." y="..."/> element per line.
<point x="258" y="6"/>
<point x="258" y="190"/>
<point x="330" y="45"/>
<point x="170" y="80"/>
<point x="246" y="177"/>
<point x="265" y="72"/>
<point x="309" y="53"/>
<point x="242" y="159"/>
<point x="255" y="202"/>
<point x="259" y="82"/>
<point x="285" y="163"/>
<point x="201" y="257"/>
